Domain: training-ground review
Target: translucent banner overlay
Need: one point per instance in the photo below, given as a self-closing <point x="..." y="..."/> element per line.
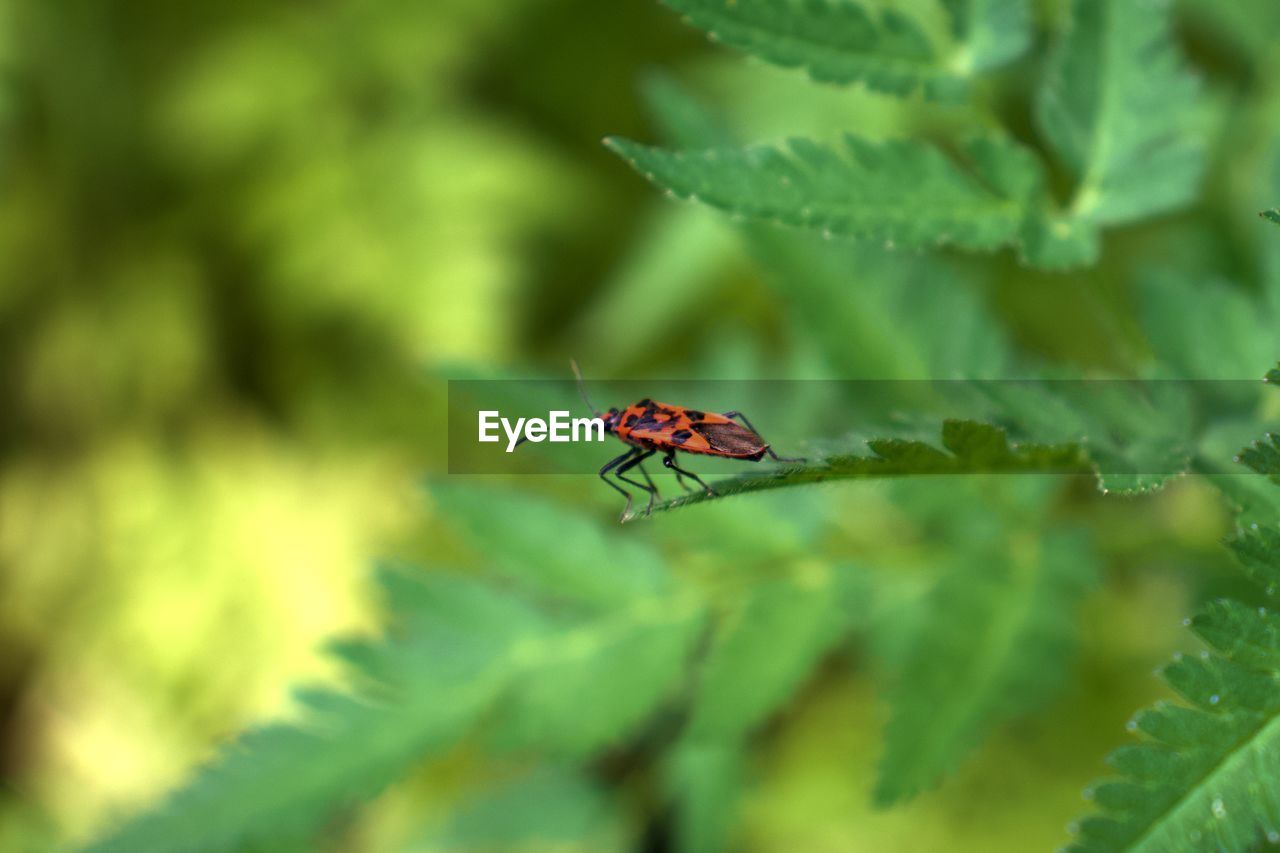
<point x="1136" y="428"/>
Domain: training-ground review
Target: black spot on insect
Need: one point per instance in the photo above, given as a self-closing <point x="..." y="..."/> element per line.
<point x="680" y="436"/>
<point x="631" y="420"/>
<point x="695" y="415"/>
<point x="646" y="403"/>
<point x="654" y="415"/>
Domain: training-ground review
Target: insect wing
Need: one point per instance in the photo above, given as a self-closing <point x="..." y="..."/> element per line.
<point x="730" y="438"/>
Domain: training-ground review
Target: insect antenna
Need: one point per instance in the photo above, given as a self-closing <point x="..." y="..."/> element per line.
<point x="582" y="388"/>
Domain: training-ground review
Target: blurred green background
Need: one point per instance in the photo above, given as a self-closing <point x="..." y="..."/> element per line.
<point x="242" y="245"/>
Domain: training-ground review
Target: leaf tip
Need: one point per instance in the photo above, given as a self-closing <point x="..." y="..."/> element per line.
<point x="620" y="145"/>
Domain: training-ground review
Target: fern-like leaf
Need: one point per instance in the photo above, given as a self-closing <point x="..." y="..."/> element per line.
<point x="1137" y="435"/>
<point x="523" y="540"/>
<point x="617" y="648"/>
<point x="587" y="685"/>
<point x="552" y="808"/>
<point x="764" y="647"/>
<point x="847" y="42"/>
<point x="900" y="326"/>
<point x="1118" y="107"/>
<point x="967" y="448"/>
<point x="1205" y="777"/>
<point x="1000" y="628"/>
<point x="908" y="193"/>
<point x="278" y="782"/>
<point x="1258" y="550"/>
<point x="834" y="42"/>
<point x="573" y="677"/>
<point x="1263" y="455"/>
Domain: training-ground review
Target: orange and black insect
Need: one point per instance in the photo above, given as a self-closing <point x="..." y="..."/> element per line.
<point x="651" y="427"/>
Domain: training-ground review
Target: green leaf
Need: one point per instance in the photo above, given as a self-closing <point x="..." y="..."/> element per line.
<point x="1246" y="635"/>
<point x="1245" y="27"/>
<point x="678" y="259"/>
<point x="1254" y="500"/>
<point x="682" y="119"/>
<point x="1206" y="329"/>
<point x="1263" y="455"/>
<point x="524" y="538"/>
<point x="279" y="781"/>
<point x="847" y="42"/>
<point x="1052" y="240"/>
<point x="988" y="33"/>
<point x="598" y="671"/>
<point x="285" y="779"/>
<point x="704" y="780"/>
<point x="552" y="808"/>
<point x="906" y="193"/>
<point x="570" y="686"/>
<point x="768" y="644"/>
<point x="1205" y="776"/>
<point x="967" y="448"/>
<point x="1136" y="434"/>
<point x="901" y="326"/>
<point x="676" y="262"/>
<point x="994" y="645"/>
<point x="1258" y="550"/>
<point x="1118" y="108"/>
<point x="586" y="686"/>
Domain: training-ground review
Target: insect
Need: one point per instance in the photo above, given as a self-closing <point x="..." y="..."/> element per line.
<point x="651" y="427"/>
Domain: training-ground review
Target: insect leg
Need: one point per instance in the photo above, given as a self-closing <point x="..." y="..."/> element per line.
<point x="633" y="462"/>
<point x="680" y="479"/>
<point x="769" y="450"/>
<point x="670" y="461"/>
<point x="649" y="480"/>
<point x="609" y="466"/>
